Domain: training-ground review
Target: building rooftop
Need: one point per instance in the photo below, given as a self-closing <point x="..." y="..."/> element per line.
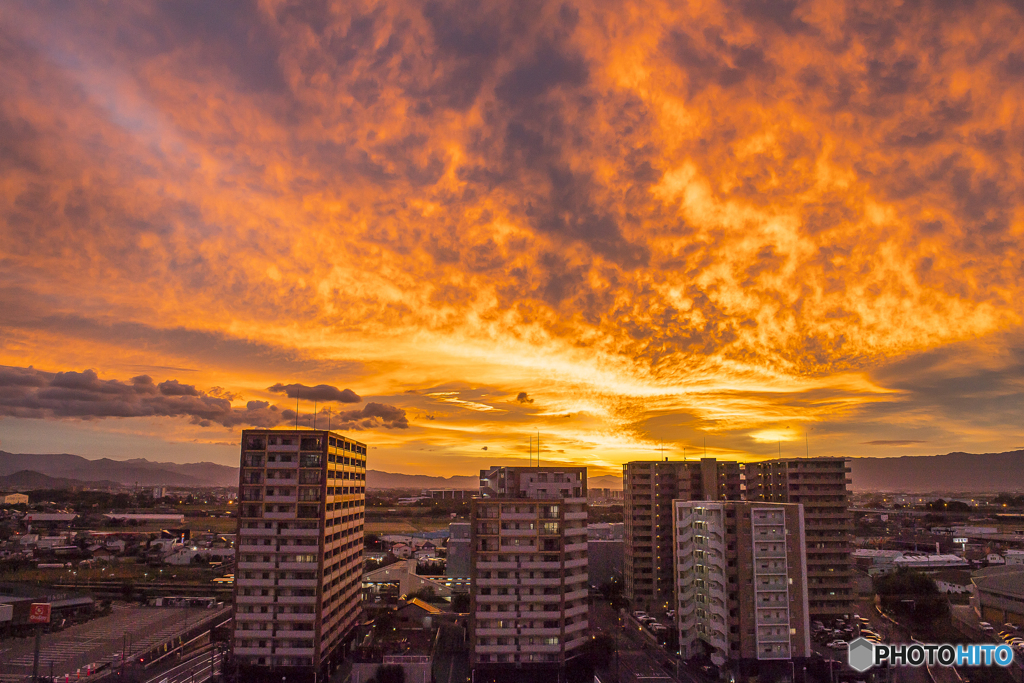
<point x="1010" y="583"/>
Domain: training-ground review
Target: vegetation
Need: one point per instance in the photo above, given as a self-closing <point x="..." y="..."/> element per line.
<point x="941" y="505"/>
<point x="912" y="597"/>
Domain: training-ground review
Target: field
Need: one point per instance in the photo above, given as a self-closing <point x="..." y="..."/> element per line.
<point x="405" y="525"/>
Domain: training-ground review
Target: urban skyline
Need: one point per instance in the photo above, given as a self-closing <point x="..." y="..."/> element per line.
<point x="766" y="228"/>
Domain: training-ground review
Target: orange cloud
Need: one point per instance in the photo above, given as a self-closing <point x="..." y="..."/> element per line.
<point x="664" y="220"/>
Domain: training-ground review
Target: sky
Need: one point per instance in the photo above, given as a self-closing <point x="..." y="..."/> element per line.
<point x="631" y="229"/>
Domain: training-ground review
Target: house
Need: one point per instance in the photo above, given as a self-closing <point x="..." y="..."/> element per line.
<point x="417" y="614"/>
<point x="956" y="581"/>
<point x="401" y="551"/>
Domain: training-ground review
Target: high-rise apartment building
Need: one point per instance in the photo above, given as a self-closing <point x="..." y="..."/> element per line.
<point x="649" y="488"/>
<point x="529" y="606"/>
<point x="821" y="485"/>
<point x="300" y="551"/>
<point x="741" y="582"/>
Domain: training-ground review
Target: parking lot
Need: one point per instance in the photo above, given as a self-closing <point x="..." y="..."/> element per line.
<point x="97" y="641"/>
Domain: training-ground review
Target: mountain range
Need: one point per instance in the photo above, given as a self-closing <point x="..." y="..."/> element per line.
<point x="952" y="472"/>
<point x="137" y="471"/>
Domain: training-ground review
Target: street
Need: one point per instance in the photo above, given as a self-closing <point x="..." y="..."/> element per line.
<point x="128" y="629"/>
<point x="636" y="658"/>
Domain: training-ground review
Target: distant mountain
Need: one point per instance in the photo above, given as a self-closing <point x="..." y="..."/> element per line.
<point x="605" y="481"/>
<point x="128" y="472"/>
<point x="388" y="480"/>
<point x="952" y="472"/>
<point x="27" y="480"/>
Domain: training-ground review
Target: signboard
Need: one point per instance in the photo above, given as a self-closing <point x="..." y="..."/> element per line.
<point x="959" y="540"/>
<point x="39" y="613"/>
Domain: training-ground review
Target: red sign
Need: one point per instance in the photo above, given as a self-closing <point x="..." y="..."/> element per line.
<point x="39" y="613"/>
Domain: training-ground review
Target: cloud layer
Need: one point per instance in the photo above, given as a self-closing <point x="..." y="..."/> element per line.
<point x="31" y="393"/>
<point x="667" y="220"/>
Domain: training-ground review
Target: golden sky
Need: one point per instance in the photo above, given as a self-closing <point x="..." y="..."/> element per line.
<point x="768" y="226"/>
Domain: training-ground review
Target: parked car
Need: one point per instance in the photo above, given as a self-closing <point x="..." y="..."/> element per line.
<point x="639" y="614"/>
<point x="838" y="644"/>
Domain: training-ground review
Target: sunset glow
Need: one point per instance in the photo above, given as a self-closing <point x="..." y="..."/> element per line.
<point x="627" y="227"/>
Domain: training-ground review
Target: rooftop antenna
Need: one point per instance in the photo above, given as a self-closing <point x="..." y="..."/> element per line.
<point x="314" y="413"/>
<point x="663" y="452"/>
<point x="296" y="409"/>
<point x="684" y="453"/>
<point x="538" y="449"/>
<point x="807" y="445"/>
<point x="328" y="418"/>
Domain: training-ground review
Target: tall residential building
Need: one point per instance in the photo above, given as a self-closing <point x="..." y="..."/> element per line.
<point x="300" y="552"/>
<point x="529" y="606"/>
<point x="741" y="582"/>
<point x="649" y="488"/>
<point x="821" y="486"/>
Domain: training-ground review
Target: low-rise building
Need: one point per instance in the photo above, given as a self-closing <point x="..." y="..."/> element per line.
<point x="999" y="594"/>
<point x="15" y="499"/>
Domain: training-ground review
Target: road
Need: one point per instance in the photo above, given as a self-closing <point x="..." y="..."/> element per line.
<point x="97" y="641"/>
<point x="196" y="669"/>
<point x="637" y="659"/>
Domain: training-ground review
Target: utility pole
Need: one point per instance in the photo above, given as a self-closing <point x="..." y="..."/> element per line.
<point x="35" y="658"/>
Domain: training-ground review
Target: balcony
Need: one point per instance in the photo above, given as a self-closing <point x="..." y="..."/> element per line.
<point x="257" y="565"/>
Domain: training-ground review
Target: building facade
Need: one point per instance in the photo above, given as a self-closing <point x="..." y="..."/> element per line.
<point x="299" y="553"/>
<point x="457" y="565"/>
<point x="741" y="582"/>
<point x="649" y="487"/>
<point x="821" y="485"/>
<point x="528" y="540"/>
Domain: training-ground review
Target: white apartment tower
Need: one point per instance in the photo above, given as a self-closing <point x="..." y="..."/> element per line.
<point x="741" y="582"/>
<point x="529" y="607"/>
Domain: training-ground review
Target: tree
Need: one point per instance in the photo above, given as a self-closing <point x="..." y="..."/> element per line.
<point x="390" y="673"/>
<point x="460" y="603"/>
<point x="911" y="595"/>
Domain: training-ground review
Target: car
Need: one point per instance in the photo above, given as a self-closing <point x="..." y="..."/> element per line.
<point x="639" y="614"/>
<point x="1011" y="627"/>
<point x="670" y="614"/>
<point x="838" y="645"/>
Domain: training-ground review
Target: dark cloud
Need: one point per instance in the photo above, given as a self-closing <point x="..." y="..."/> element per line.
<point x="524" y="397"/>
<point x="372" y="415"/>
<point x="173" y="387"/>
<point x="321" y="392"/>
<point x="31" y="393"/>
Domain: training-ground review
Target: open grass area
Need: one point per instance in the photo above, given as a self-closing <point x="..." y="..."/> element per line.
<point x="405" y="525"/>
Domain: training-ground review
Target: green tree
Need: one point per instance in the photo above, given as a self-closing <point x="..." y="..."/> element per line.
<point x="911" y="596"/>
